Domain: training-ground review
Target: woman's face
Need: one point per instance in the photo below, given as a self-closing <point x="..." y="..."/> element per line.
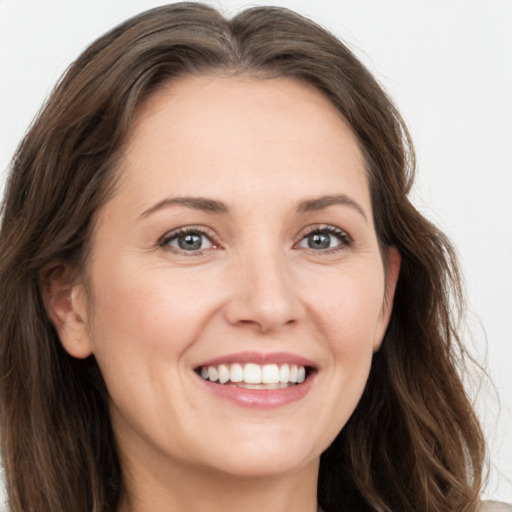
<point x="239" y="243"/>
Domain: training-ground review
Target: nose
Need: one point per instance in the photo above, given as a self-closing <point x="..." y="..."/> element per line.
<point x="264" y="294"/>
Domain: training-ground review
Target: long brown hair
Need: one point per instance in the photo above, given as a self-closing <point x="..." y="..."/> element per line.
<point x="413" y="442"/>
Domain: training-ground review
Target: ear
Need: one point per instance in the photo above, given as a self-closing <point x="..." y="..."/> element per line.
<point x="392" y="261"/>
<point x="65" y="302"/>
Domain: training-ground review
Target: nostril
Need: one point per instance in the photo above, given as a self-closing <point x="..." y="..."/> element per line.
<point x="262" y="314"/>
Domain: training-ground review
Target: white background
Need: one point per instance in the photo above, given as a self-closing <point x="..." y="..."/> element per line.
<point x="448" y="66"/>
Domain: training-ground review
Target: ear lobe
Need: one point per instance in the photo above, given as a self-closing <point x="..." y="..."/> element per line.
<point x="393" y="262"/>
<point x="65" y="304"/>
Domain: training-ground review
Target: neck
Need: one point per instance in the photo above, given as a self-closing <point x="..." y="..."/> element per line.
<point x="202" y="490"/>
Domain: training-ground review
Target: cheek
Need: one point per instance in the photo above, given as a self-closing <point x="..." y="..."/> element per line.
<point x="348" y="315"/>
<point x="144" y="321"/>
<point x="349" y="306"/>
<point x="148" y="312"/>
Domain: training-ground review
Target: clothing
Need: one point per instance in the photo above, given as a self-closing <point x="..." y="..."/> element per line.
<point x="495" y="506"/>
<point x="486" y="506"/>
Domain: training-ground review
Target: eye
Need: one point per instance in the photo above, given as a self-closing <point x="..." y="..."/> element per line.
<point x="191" y="240"/>
<point x="325" y="238"/>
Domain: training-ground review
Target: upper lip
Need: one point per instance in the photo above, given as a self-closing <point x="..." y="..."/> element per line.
<point x="259" y="358"/>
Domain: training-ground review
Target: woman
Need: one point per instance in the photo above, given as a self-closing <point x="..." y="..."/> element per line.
<point x="219" y="293"/>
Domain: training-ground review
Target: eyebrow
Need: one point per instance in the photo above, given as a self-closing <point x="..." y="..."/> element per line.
<point x="214" y="206"/>
<point x="319" y="203"/>
<point x="197" y="203"/>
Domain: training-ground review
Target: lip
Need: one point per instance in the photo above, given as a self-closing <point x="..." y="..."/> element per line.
<point x="260" y="398"/>
<point x="259" y="358"/>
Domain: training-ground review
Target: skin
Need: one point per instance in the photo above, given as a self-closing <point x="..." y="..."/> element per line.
<point x="151" y="312"/>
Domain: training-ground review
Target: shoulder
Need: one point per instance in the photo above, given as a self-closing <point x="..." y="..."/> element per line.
<point x="494" y="506"/>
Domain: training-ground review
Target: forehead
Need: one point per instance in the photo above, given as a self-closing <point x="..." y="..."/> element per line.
<point x="208" y="101"/>
<point x="236" y="135"/>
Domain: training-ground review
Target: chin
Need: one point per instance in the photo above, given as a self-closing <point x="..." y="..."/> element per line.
<point x="266" y="467"/>
<point x="267" y="455"/>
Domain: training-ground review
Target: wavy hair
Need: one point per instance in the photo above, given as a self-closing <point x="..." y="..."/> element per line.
<point x="413" y="442"/>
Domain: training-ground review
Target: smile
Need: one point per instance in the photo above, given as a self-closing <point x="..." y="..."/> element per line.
<point x="255" y="376"/>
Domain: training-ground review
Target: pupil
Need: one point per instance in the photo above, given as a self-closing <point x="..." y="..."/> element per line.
<point x="190" y="242"/>
<point x="319" y="241"/>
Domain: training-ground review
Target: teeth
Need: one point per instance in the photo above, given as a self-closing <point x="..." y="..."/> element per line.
<point x="262" y="386"/>
<point x="252" y="373"/>
<point x="255" y="376"/>
<point x="284" y="373"/>
<point x="237" y="373"/>
<point x="270" y="374"/>
<point x="213" y="374"/>
<point x="223" y="373"/>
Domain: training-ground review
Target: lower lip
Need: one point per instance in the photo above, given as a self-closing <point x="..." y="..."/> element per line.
<point x="260" y="398"/>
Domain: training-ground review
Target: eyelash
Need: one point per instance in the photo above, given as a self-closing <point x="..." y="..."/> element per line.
<point x="345" y="241"/>
<point x="343" y="238"/>
<point x="165" y="241"/>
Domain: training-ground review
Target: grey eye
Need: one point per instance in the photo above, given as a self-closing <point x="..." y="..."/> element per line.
<point x="325" y="239"/>
<point x="189" y="241"/>
<point x="319" y="241"/>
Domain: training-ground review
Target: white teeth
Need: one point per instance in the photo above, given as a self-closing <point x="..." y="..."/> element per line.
<point x="270" y="374"/>
<point x="252" y="373"/>
<point x="253" y="386"/>
<point x="237" y="373"/>
<point x="213" y="374"/>
<point x="293" y="373"/>
<point x="259" y="386"/>
<point x="223" y="373"/>
<point x="255" y="376"/>
<point x="284" y="373"/>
